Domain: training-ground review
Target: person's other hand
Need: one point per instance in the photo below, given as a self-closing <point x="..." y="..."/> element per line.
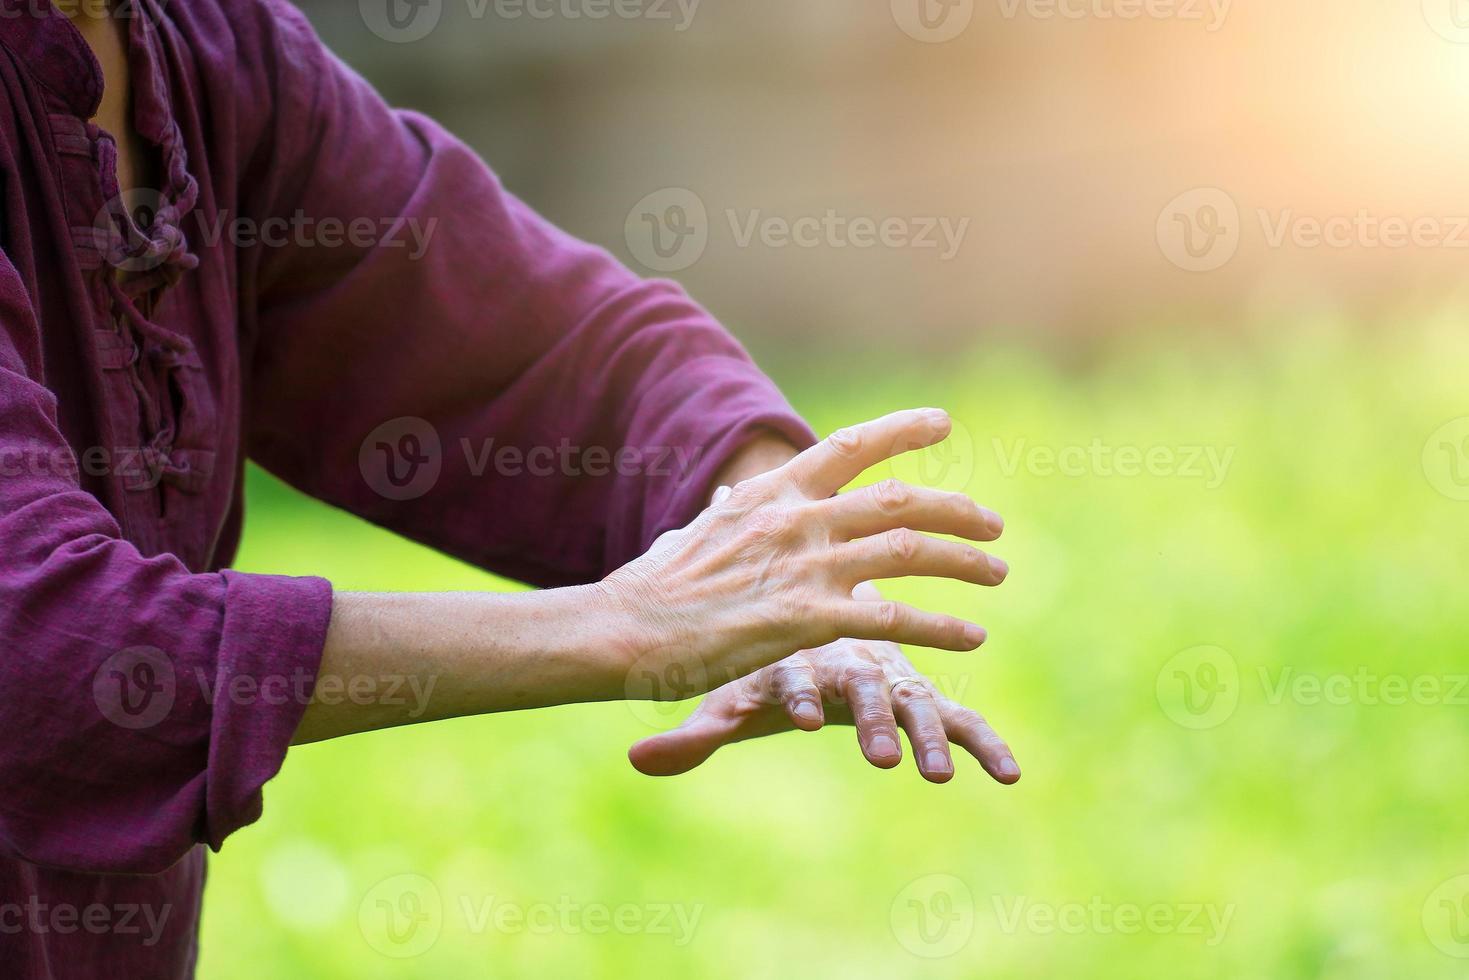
<point x="770" y="568"/>
<point x="869" y="685"/>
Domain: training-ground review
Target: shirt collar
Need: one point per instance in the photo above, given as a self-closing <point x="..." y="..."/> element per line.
<point x="51" y="49"/>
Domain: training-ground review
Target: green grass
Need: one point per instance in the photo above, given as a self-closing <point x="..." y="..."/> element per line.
<point x="1320" y="829"/>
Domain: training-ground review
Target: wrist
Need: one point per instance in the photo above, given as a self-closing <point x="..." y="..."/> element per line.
<point x="624" y="634"/>
<point x="765" y="452"/>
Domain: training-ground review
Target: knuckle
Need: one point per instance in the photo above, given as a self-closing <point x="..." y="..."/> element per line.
<point x="910" y="694"/>
<point x="903" y="544"/>
<point x="977" y="560"/>
<point x="772" y="524"/>
<point x="889" y="617"/>
<point x="861" y="676"/>
<point x="748" y="494"/>
<point x="994" y="743"/>
<point x="892" y="496"/>
<point x="788" y="605"/>
<point x="846" y="442"/>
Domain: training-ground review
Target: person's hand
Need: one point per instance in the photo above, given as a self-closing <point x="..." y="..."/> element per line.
<point x="769" y="569"/>
<point x="851" y="682"/>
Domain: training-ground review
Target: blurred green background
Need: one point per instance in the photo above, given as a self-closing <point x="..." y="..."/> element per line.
<point x="1181" y="815"/>
<point x="1231" y="656"/>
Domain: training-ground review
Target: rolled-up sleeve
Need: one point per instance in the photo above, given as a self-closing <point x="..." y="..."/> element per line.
<point x="121" y="747"/>
<point x="463" y="372"/>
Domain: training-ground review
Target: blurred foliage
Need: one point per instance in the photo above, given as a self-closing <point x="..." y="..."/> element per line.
<point x="1321" y="829"/>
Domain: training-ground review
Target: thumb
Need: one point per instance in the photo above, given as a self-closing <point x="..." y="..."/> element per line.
<point x="686" y="747"/>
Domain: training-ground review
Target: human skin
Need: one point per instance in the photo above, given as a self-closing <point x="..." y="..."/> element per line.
<point x="539" y="654"/>
<point x="775" y="566"/>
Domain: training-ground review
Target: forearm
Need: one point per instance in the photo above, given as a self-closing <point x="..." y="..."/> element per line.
<point x="454" y="654"/>
<point x="426" y="657"/>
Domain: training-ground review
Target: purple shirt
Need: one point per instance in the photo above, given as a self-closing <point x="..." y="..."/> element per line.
<point x="254" y="321"/>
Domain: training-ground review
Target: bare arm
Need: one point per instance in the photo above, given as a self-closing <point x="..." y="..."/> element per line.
<point x="763" y="573"/>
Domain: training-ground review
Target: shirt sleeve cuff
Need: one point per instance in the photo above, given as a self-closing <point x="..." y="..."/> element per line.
<point x="269" y="654"/>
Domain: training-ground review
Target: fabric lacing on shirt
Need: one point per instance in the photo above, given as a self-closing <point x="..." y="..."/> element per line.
<point x="152" y="258"/>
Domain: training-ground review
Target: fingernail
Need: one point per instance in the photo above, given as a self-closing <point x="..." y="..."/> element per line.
<point x="998" y="567"/>
<point x="806" y="711"/>
<point x="975" y="635"/>
<point x="1008" y="767"/>
<point x="937" y="416"/>
<point x="936" y="761"/>
<point x="994" y="522"/>
<point x="882" y="746"/>
<point x="722" y="494"/>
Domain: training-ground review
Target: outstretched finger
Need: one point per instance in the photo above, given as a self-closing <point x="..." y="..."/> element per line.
<point x="842" y="456"/>
<point x="795" y="685"/>
<point x="865" y="619"/>
<point x="903" y="553"/>
<point x="919" y="715"/>
<point x="893" y="504"/>
<point x="866" y="692"/>
<point x="970" y="730"/>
